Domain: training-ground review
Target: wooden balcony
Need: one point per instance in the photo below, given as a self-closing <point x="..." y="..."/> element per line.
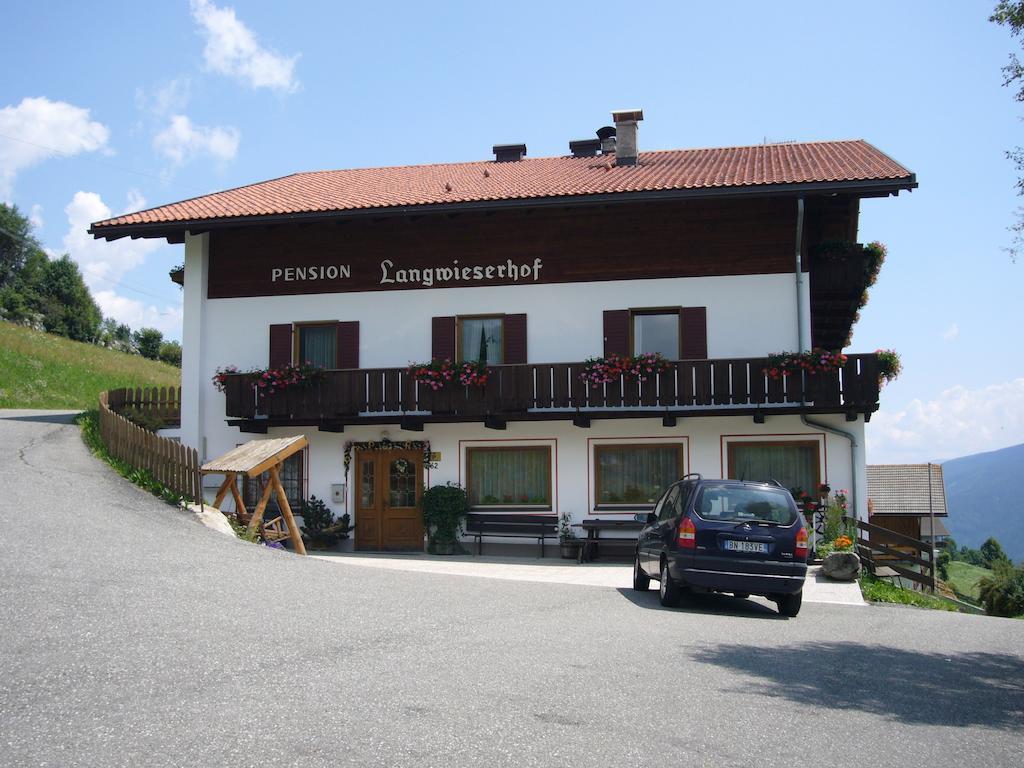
<point x="546" y="391"/>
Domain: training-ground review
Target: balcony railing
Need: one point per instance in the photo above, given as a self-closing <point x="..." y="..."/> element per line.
<point x="524" y="391"/>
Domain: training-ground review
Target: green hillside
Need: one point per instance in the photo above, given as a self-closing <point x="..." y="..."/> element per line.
<point x="40" y="370"/>
<point x="964" y="578"/>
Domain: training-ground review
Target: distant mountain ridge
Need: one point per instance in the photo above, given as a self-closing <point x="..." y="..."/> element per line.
<point x="985" y="497"/>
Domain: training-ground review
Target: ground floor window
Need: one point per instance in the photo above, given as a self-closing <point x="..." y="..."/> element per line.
<point x="635" y="475"/>
<point x="509" y="476"/>
<point x="795" y="464"/>
<point x="293" y="479"/>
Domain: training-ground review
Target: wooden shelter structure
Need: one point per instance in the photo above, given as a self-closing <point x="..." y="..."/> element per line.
<point x="251" y="460"/>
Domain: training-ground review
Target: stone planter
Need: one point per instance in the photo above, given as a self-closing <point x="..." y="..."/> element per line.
<point x="841" y="566"/>
<point x="569" y="550"/>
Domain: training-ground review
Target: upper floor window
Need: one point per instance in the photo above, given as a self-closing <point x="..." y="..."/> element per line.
<point x="318" y="344"/>
<point x="481" y="338"/>
<point x="656" y="331"/>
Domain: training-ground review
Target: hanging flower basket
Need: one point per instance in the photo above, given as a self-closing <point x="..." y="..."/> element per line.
<point x="814" y="362"/>
<point x="605" y="370"/>
<point x="269" y="381"/>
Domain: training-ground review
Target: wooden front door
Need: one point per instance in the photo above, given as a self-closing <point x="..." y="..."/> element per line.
<point x="387" y="496"/>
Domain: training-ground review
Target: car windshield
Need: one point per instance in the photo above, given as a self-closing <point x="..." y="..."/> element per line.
<point x="740" y="504"/>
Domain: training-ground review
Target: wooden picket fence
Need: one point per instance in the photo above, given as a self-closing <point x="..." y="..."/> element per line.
<point x="168" y="461"/>
<point x="162" y="402"/>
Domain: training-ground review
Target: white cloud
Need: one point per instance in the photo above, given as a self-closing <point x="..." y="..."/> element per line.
<point x="35" y="216"/>
<point x="99" y="260"/>
<point x="182" y="140"/>
<point x="951" y="333"/>
<point x="169" y="98"/>
<point x="103" y="264"/>
<point x="958" y="422"/>
<point x="138" y="314"/>
<point x="232" y="49"/>
<point x="38" y="129"/>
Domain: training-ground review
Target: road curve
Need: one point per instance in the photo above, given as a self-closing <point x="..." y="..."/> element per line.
<point x="132" y="636"/>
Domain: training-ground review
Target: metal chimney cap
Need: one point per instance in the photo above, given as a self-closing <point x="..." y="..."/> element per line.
<point x="605" y="133"/>
<point x="504" y="153"/>
<point x="584" y="147"/>
<point x="627" y="115"/>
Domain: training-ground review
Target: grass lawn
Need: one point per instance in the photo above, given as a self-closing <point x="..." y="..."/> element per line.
<point x="964" y="578"/>
<point x="40" y="370"/>
<point x="881" y="591"/>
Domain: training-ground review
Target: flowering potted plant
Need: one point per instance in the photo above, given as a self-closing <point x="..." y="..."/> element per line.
<point x="434" y="373"/>
<point x="889" y="365"/>
<point x="605" y="370"/>
<point x="813" y="362"/>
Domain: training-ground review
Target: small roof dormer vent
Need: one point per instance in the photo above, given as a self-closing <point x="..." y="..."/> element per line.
<point x="508" y="153"/>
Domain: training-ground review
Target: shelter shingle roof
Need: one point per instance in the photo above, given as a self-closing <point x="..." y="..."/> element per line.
<point x="903" y="489"/>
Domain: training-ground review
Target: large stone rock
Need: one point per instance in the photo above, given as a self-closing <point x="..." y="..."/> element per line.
<point x="212" y="518"/>
<point x="841" y="566"/>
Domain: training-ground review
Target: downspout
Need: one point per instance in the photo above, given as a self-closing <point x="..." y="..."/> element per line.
<point x="804" y="343"/>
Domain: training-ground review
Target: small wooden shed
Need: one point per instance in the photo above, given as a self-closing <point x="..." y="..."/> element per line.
<point x="251" y="460"/>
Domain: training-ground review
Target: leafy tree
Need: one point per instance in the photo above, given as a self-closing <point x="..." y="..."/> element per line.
<point x="16" y="242"/>
<point x="942" y="562"/>
<point x="148" y="340"/>
<point x="992" y="553"/>
<point x="1002" y="593"/>
<point x="67" y="306"/>
<point x="1011" y="14"/>
<point x="170" y="353"/>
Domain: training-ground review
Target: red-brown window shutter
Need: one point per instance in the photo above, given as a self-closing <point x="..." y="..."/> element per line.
<point x="515" y="340"/>
<point x="347" y="355"/>
<point x="442" y="345"/>
<point x="616" y="332"/>
<point x="280" y="345"/>
<point x="694" y="333"/>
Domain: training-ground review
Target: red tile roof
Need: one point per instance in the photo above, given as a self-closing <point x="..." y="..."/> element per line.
<point x="476" y="182"/>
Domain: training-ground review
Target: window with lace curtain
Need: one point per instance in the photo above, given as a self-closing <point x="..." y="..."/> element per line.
<point x="509" y="477"/>
<point x="794" y="464"/>
<point x="481" y="338"/>
<point x="635" y="476"/>
<point x="318" y="344"/>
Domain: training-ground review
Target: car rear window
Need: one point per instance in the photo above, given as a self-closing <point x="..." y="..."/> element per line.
<point x="735" y="503"/>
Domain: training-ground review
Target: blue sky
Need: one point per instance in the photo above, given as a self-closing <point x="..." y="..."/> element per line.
<point x="127" y="104"/>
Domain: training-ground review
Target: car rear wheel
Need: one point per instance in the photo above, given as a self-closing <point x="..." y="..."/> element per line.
<point x="789" y="605"/>
<point x="668" y="590"/>
<point x="641" y="581"/>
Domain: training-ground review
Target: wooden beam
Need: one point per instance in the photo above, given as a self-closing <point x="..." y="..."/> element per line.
<point x="239" y="503"/>
<point x="261" y="507"/>
<point x="581" y="421"/>
<point x="410" y="424"/>
<point x="668" y="421"/>
<point x="286" y="510"/>
<point x="229" y="480"/>
<point x="331" y="426"/>
<point x="494" y="422"/>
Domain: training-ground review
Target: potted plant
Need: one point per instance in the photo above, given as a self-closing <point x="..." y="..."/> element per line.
<point x="444" y="507"/>
<point x="569" y="544"/>
<point x="317" y="524"/>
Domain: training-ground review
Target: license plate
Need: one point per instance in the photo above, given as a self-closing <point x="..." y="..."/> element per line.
<point x="746" y="546"/>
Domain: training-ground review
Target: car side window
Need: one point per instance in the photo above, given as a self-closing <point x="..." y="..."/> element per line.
<point x="670" y="507"/>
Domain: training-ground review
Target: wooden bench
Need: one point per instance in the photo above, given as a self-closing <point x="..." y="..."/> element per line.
<point x="594" y="542"/>
<point x="539" y="527"/>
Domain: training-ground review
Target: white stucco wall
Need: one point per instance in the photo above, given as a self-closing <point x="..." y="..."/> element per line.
<point x="747" y="316"/>
<point x="706" y="442"/>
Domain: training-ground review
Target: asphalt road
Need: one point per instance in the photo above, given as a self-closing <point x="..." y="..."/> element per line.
<point x="132" y="636"/>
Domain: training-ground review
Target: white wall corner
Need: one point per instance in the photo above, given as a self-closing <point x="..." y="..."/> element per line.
<point x="197" y="261"/>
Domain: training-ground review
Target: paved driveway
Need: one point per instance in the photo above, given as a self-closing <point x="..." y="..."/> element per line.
<point x="132" y="636"/>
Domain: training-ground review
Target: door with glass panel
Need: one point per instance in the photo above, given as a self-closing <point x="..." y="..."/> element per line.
<point x="387" y="500"/>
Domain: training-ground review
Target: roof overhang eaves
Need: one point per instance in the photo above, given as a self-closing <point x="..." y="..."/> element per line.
<point x="178" y="229"/>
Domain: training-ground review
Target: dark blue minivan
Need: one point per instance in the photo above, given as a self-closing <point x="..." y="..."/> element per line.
<point x="724" y="536"/>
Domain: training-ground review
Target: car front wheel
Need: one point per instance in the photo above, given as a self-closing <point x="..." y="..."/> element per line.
<point x="789" y="605"/>
<point x="668" y="590"/>
<point x="641" y="581"/>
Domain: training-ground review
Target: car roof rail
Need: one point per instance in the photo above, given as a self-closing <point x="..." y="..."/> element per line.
<point x="777" y="484"/>
<point x="696" y="475"/>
